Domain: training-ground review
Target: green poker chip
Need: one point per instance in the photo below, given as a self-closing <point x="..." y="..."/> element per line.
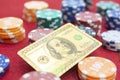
<point x="49" y="14"/>
<point x="49" y="18"/>
<point x="107" y="5"/>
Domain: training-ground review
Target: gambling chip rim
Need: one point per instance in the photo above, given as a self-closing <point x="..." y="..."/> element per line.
<point x="42" y="75"/>
<point x="54" y="14"/>
<point x="39" y="31"/>
<point x="20" y="21"/>
<point x="104" y="36"/>
<point x="88" y="30"/>
<point x="101" y="77"/>
<point x="5" y="64"/>
<point x="26" y="5"/>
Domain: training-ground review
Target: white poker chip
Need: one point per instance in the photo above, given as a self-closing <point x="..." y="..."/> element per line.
<point x="112" y="36"/>
<point x="111" y="40"/>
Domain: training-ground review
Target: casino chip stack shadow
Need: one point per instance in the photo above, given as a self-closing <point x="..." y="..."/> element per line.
<point x="88" y="4"/>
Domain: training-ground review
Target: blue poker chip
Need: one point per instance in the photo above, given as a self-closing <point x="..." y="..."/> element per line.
<point x="73" y="3"/>
<point x="70" y="8"/>
<point x="88" y="30"/>
<point x="72" y="11"/>
<point x="68" y="18"/>
<point x="4" y="63"/>
<point x="113" y="19"/>
<point x="112" y="25"/>
<point x="115" y="14"/>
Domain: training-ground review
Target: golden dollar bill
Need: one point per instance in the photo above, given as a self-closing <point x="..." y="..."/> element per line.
<point x="60" y="50"/>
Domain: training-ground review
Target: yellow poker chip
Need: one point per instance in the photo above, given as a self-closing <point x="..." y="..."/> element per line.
<point x="97" y="68"/>
<point x="10" y="23"/>
<point x="36" y="5"/>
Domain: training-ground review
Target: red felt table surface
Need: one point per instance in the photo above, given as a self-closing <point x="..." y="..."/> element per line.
<point x="18" y="66"/>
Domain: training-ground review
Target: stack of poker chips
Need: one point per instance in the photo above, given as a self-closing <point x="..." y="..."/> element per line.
<point x="113" y="19"/>
<point x="70" y="8"/>
<point x="11" y="30"/>
<point x="49" y="18"/>
<point x="111" y="40"/>
<point x="30" y="9"/>
<point x="88" y="3"/>
<point x="96" y="68"/>
<point x="87" y="30"/>
<point x="4" y="64"/>
<point x="42" y="75"/>
<point x="38" y="33"/>
<point x="103" y="6"/>
<point x="90" y="19"/>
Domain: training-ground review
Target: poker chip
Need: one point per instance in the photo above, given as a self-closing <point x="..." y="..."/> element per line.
<point x="88" y="3"/>
<point x="4" y="64"/>
<point x="11" y="30"/>
<point x="42" y="75"/>
<point x="103" y="6"/>
<point x="29" y="18"/>
<point x="30" y="9"/>
<point x="113" y="19"/>
<point x="90" y="19"/>
<point x="38" y="33"/>
<point x="88" y="67"/>
<point x="88" y="30"/>
<point x="13" y="40"/>
<point x="111" y="40"/>
<point x="49" y="18"/>
<point x="70" y="8"/>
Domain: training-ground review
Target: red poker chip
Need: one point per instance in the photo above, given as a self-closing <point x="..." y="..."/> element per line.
<point x="38" y="33"/>
<point x="35" y="75"/>
<point x="88" y="17"/>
